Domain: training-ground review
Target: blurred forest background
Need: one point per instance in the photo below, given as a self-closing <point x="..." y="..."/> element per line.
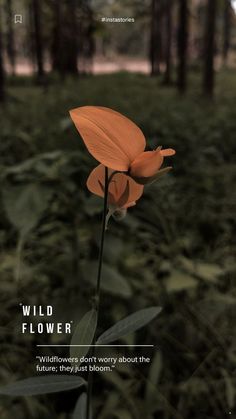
<point x="172" y="71"/>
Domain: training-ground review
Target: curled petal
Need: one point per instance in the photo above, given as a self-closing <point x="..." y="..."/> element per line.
<point x="123" y="190"/>
<point x="146" y="164"/>
<point x="167" y="152"/>
<point x="130" y="204"/>
<point x="110" y="137"/>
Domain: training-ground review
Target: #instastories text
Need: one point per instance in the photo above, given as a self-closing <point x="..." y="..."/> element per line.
<point x="107" y="19"/>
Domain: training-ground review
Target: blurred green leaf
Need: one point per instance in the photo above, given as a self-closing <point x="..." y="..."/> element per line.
<point x="93" y="205"/>
<point x="110" y="405"/>
<point x="129" y="324"/>
<point x="180" y="281"/>
<point x="124" y="387"/>
<point x="113" y="248"/>
<point x="40" y="164"/>
<point x="112" y="281"/>
<point x="83" y="335"/>
<point x="229" y="388"/>
<point x="65" y="123"/>
<point x="123" y="414"/>
<point x="24" y="205"/>
<point x="208" y="271"/>
<point x="42" y="385"/>
<point x="80" y="407"/>
<point x="153" y="380"/>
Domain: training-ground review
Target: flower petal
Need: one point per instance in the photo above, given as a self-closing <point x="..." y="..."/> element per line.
<point x="118" y="188"/>
<point x="110" y="137"/>
<point x="96" y="180"/>
<point x="130" y="204"/>
<point x="167" y="152"/>
<point x="146" y="164"/>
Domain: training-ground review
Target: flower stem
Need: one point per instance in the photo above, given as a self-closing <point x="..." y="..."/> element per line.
<point x="97" y="295"/>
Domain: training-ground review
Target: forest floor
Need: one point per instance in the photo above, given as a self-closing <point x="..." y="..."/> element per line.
<point x="99" y="66"/>
<point x="112" y="64"/>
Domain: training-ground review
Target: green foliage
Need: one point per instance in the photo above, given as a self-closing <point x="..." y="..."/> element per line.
<point x="42" y="385"/>
<point x="174" y="249"/>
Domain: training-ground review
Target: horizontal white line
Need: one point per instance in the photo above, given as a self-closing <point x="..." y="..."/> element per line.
<point x="131" y="346"/>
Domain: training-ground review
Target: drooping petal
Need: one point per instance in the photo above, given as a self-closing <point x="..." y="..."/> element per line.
<point x="124" y="196"/>
<point x="146" y="164"/>
<point x="96" y="180"/>
<point x="110" y="137"/>
<point x="123" y="190"/>
<point x="118" y="188"/>
<point x="167" y="152"/>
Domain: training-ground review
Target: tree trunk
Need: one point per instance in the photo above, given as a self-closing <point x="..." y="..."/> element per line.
<point x="2" y="73"/>
<point x="226" y="30"/>
<point x="29" y="42"/>
<point x="208" y="70"/>
<point x="56" y="51"/>
<point x="71" y="39"/>
<point x="10" y="36"/>
<point x="155" y="38"/>
<point x="86" y="43"/>
<point x="182" y="45"/>
<point x="38" y="39"/>
<point x="64" y="48"/>
<point x="168" y="53"/>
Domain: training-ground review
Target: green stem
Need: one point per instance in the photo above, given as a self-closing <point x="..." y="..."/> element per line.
<point x="97" y="295"/>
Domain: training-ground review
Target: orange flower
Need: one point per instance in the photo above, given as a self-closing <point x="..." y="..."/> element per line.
<point x="117" y="143"/>
<point x="123" y="192"/>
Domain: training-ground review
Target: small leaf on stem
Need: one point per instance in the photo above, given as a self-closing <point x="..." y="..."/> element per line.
<point x="83" y="335"/>
<point x="129" y="324"/>
<point x="152" y="179"/>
